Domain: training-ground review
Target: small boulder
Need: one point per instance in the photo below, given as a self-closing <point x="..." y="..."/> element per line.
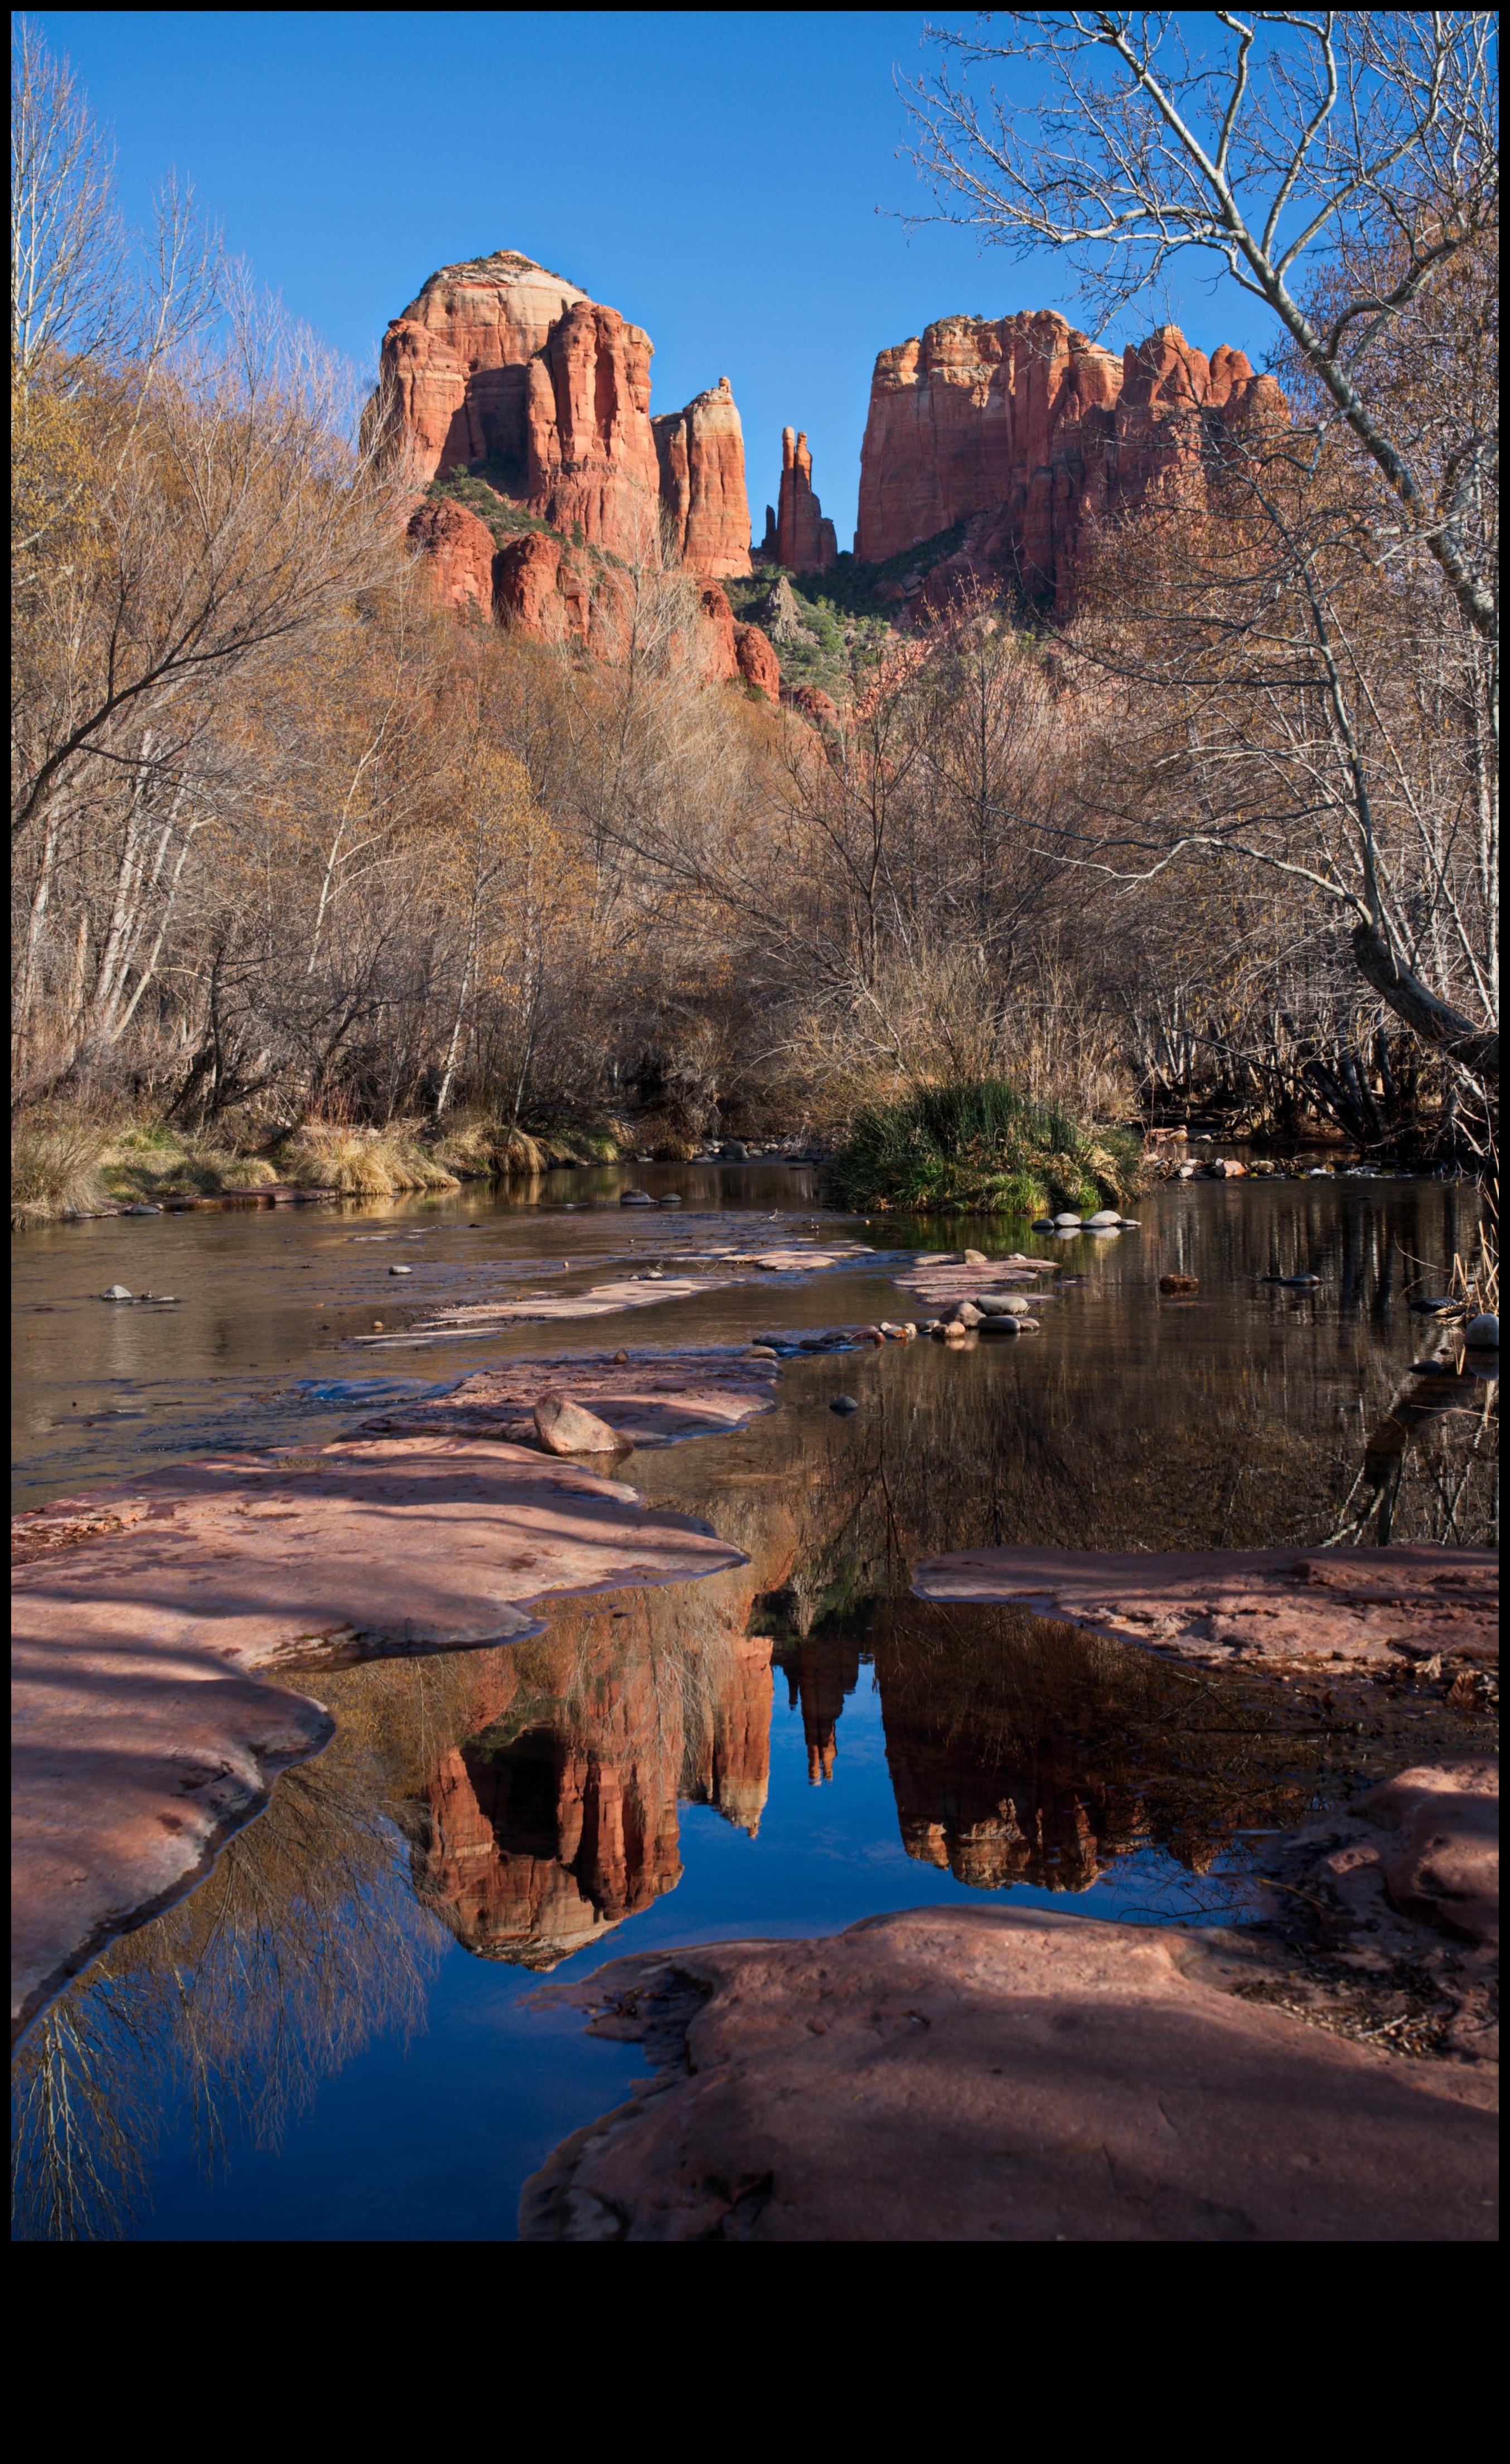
<point x="734" y="1150"/>
<point x="761" y="1352"/>
<point x="968" y="1314"/>
<point x="993" y="1305"/>
<point x="1001" y="1325"/>
<point x="636" y="1198"/>
<point x="844" y="1405"/>
<point x="1482" y="1333"/>
<point x="1105" y="1219"/>
<point x="1174" y="1285"/>
<point x="1300" y="1279"/>
<point x="976" y="1257"/>
<point x="401" y="1270"/>
<point x="671" y="1198"/>
<point x="1430" y="1304"/>
<point x="1067" y="1222"/>
<point x="117" y="1292"/>
<point x="1026" y="1324"/>
<point x="563" y="1429"/>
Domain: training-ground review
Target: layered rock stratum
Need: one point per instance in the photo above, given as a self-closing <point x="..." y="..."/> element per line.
<point x="501" y="364"/>
<point x="1026" y="431"/>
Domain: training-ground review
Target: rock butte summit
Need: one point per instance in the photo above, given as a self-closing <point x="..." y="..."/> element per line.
<point x="1027" y="432"/>
<point x="499" y="362"/>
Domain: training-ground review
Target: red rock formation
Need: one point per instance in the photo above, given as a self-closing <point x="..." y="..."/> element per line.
<point x="453" y="363"/>
<point x="460" y="552"/>
<point x="590" y="457"/>
<point x="704" y="506"/>
<point x="804" y="540"/>
<point x="498" y="360"/>
<point x="758" y="663"/>
<point x="724" y="665"/>
<point x="810" y="702"/>
<point x="1030" y="431"/>
<point x="541" y="586"/>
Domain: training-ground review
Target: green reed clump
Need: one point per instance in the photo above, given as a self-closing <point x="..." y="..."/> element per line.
<point x="978" y="1147"/>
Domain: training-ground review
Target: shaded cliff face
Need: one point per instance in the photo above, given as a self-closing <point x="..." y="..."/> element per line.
<point x="499" y="362"/>
<point x="1029" y="431"/>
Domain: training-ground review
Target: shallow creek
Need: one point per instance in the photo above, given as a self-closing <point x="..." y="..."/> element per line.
<point x="333" y="2039"/>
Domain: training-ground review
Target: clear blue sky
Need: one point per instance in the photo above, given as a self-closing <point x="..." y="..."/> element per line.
<point x="713" y="176"/>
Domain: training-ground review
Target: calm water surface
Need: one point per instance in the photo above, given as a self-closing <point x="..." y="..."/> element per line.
<point x="334" y="2039"/>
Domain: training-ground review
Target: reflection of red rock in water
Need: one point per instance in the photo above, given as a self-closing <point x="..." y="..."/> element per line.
<point x="819" y="1674"/>
<point x="1001" y="1824"/>
<point x="536" y="1845"/>
<point x="555" y="1817"/>
<point x="732" y="1769"/>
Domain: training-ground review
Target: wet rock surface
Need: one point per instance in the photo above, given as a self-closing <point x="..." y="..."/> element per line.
<point x="1378" y="1605"/>
<point x="649" y="1400"/>
<point x="964" y="2075"/>
<point x="145" y="1604"/>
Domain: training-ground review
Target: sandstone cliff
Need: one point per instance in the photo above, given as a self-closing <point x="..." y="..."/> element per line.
<point x="797" y="533"/>
<point x="498" y="362"/>
<point x="1025" y="432"/>
<point x="705" y="509"/>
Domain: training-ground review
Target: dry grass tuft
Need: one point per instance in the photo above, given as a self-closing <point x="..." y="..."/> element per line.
<point x="55" y="1170"/>
<point x="363" y="1163"/>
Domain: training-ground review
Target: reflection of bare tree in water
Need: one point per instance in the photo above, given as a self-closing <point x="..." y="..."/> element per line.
<point x="1430" y="1468"/>
<point x="303" y="1943"/>
<point x="963" y="1453"/>
<point x="308" y="1937"/>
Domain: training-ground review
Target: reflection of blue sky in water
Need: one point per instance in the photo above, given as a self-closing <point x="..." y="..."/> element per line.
<point x="432" y="2142"/>
<point x="1119" y="1409"/>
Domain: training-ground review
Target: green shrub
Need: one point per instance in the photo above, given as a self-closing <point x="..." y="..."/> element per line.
<point x="979" y="1148"/>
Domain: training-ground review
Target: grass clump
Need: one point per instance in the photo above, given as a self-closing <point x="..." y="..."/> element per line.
<point x="55" y="1170"/>
<point x="362" y="1163"/>
<point x="150" y="1160"/>
<point x="476" y="1148"/>
<point x="977" y="1147"/>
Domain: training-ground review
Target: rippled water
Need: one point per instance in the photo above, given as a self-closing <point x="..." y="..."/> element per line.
<point x="333" y="2039"/>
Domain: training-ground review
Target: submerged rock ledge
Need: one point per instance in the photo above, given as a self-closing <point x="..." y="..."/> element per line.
<point x="142" y="1740"/>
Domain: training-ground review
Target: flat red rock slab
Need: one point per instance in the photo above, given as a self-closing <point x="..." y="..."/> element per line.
<point x="146" y="1603"/>
<point x="982" y="2075"/>
<point x="605" y="1300"/>
<point x="652" y="1402"/>
<point x="1221" y="1605"/>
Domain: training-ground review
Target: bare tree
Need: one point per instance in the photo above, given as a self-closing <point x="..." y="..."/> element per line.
<point x="1342" y="168"/>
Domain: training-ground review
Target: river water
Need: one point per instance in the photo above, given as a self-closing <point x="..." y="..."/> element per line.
<point x="337" y="2037"/>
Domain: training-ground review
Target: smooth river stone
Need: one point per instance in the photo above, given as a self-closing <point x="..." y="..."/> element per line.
<point x="141" y="1740"/>
<point x="1221" y="1605"/>
<point x="972" y="2075"/>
